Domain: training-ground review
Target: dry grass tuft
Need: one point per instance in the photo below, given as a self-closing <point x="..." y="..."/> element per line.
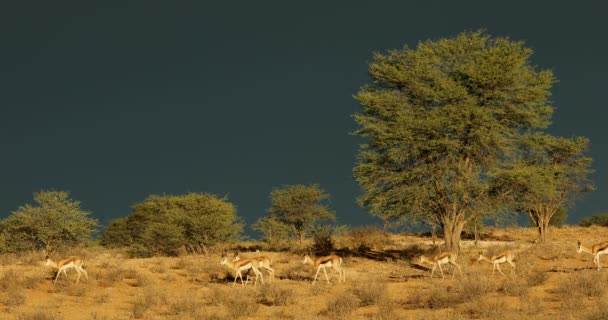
<point x="275" y="295"/>
<point x="370" y="293"/>
<point x="39" y="315"/>
<point x="342" y="306"/>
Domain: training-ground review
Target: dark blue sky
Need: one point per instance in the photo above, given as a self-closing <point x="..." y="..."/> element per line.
<point x="115" y="101"/>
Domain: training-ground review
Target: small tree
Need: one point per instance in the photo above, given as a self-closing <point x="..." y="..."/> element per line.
<point x="54" y="221"/>
<point x="116" y="234"/>
<point x="275" y="233"/>
<point x="300" y="206"/>
<point x="550" y="173"/>
<point x="596" y="219"/>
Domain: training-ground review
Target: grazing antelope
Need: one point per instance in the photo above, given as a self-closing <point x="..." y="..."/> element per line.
<point x="505" y="256"/>
<point x="62" y="265"/>
<point x="442" y="258"/>
<point x="242" y="265"/>
<point x="596" y="251"/>
<point x="332" y="261"/>
<point x="262" y="262"/>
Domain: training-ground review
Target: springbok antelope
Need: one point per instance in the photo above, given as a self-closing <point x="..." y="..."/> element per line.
<point x="242" y="265"/>
<point x="62" y="265"/>
<point x="505" y="256"/>
<point x="262" y="262"/>
<point x="596" y="250"/>
<point x="442" y="258"/>
<point x="331" y="261"/>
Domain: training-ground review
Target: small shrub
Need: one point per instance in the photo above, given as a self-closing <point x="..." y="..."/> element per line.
<point x="183" y="304"/>
<point x="13" y="297"/>
<point x="218" y="296"/>
<point x="486" y="309"/>
<point x="76" y="290"/>
<point x="514" y="287"/>
<point x="587" y="284"/>
<point x="535" y="279"/>
<point x="273" y="295"/>
<point x="600" y="312"/>
<point x="473" y="286"/>
<point x="39" y="315"/>
<point x="103" y="298"/>
<point x="323" y="244"/>
<point x="367" y="238"/>
<point x="596" y="219"/>
<point x="342" y="306"/>
<point x="370" y="293"/>
<point x="247" y="306"/>
<point x="10" y="280"/>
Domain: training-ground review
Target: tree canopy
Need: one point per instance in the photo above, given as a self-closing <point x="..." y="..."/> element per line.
<point x="300" y="206"/>
<point x="439" y="120"/>
<point x="162" y="225"/>
<point x="54" y="221"/>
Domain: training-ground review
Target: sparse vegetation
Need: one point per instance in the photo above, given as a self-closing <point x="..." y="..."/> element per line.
<point x="193" y="286"/>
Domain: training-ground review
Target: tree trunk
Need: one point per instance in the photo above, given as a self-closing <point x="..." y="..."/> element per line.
<point x="543" y="228"/>
<point x="434" y="234"/>
<point x="452" y="231"/>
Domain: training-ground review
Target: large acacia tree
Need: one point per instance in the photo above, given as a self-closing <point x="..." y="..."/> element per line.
<point x="439" y="119"/>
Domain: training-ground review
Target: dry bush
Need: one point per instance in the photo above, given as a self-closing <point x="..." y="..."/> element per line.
<point x="513" y="286"/>
<point x="158" y="267"/>
<point x="139" y="280"/>
<point x="143" y="302"/>
<point x="7" y="259"/>
<point x="274" y="295"/>
<point x="370" y="293"/>
<point x="367" y="238"/>
<point x="600" y="312"/>
<point x="139" y="309"/>
<point x="342" y="306"/>
<point x="582" y="284"/>
<point x="485" y="309"/>
<point x="10" y="280"/>
<point x="96" y="316"/>
<point x="386" y="309"/>
<point x="75" y="290"/>
<point x="183" y="304"/>
<point x="104" y="297"/>
<point x="245" y="305"/>
<point x="110" y="277"/>
<point x="531" y="306"/>
<point x="219" y="295"/>
<point x="12" y="297"/>
<point x="39" y="315"/>
<point x="297" y="273"/>
<point x="473" y="286"/>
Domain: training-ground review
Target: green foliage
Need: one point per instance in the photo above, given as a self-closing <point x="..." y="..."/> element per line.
<point x="276" y="234"/>
<point x="323" y="243"/>
<point x="53" y="222"/>
<point x="116" y="234"/>
<point x="596" y="219"/>
<point x="162" y="225"/>
<point x="300" y="207"/>
<point x="439" y="120"/>
<point x="559" y="217"/>
<point x="548" y="175"/>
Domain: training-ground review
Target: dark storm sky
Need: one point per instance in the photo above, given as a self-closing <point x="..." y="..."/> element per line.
<point x="115" y="101"/>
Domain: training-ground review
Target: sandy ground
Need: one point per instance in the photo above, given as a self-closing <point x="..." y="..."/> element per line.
<point x="551" y="281"/>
